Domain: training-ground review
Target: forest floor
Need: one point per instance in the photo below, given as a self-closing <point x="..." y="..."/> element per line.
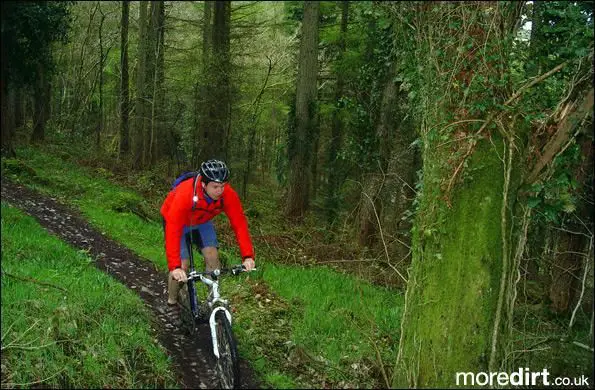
<point x="191" y="355"/>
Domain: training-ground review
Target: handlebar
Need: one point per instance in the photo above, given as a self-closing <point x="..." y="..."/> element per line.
<point x="235" y="270"/>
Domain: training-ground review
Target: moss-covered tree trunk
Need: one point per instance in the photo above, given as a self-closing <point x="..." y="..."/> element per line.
<point x="456" y="315"/>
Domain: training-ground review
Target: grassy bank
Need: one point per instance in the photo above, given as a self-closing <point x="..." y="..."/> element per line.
<point x="300" y="327"/>
<point x="66" y="324"/>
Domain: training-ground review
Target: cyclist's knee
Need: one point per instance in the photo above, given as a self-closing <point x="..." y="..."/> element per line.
<point x="211" y="258"/>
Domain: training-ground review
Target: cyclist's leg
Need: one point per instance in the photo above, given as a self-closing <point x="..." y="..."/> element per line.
<point x="173" y="286"/>
<point x="209" y="245"/>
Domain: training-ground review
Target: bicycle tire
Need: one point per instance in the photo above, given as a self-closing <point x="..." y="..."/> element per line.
<point x="228" y="369"/>
<point x="188" y="319"/>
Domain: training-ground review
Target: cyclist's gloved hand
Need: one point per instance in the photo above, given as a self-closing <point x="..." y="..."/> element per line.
<point x="179" y="275"/>
<point x="248" y="263"/>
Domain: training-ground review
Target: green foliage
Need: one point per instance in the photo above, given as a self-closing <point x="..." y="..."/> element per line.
<point x="80" y="329"/>
<point x="28" y="31"/>
<point x="369" y="55"/>
<point x="565" y="32"/>
<point x="557" y="196"/>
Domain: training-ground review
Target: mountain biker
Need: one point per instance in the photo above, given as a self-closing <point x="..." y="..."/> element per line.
<point x="187" y="212"/>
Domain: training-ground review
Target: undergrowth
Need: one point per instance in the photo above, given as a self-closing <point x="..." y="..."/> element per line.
<point x="65" y="324"/>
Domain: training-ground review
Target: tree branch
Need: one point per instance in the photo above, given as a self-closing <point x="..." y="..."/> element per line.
<point x="31" y="280"/>
<point x="564" y="129"/>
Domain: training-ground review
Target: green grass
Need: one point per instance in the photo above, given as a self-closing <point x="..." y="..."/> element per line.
<point x="66" y="323"/>
<point x="342" y="322"/>
<point x="320" y="328"/>
<point x="95" y="196"/>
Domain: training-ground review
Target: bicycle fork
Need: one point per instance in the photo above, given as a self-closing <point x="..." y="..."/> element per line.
<point x="215" y="298"/>
<point x="213" y="325"/>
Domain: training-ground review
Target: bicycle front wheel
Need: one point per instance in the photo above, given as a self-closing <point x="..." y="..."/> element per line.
<point x="228" y="368"/>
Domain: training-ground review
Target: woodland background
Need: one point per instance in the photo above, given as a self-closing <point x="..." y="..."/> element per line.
<point x="441" y="149"/>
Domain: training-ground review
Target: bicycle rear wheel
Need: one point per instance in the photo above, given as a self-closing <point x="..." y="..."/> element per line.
<point x="228" y="368"/>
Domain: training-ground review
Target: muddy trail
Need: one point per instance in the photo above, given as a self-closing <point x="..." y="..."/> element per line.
<point x="192" y="356"/>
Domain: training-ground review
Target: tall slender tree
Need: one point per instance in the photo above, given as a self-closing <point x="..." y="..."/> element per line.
<point x="155" y="79"/>
<point x="100" y="124"/>
<point x="41" y="103"/>
<point x="372" y="182"/>
<point x="215" y="133"/>
<point x="140" y="117"/>
<point x="333" y="165"/>
<point x="202" y="118"/>
<point x="124" y="89"/>
<point x="304" y="126"/>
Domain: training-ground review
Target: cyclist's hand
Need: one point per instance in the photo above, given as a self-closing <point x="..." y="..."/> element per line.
<point x="249" y="264"/>
<point x="179" y="275"/>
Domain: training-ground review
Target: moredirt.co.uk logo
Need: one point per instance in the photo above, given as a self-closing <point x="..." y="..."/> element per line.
<point x="521" y="377"/>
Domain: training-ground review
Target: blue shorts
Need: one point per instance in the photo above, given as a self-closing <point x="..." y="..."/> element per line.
<point x="202" y="236"/>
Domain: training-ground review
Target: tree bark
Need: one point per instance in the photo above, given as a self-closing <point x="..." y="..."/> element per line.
<point x="19" y="113"/>
<point x="303" y="130"/>
<point x="335" y="175"/>
<point x="203" y="87"/>
<point x="159" y="142"/>
<point x="124" y="90"/>
<point x="218" y="103"/>
<point x="41" y="105"/>
<point x="140" y="115"/>
<point x="7" y="148"/>
<point x="155" y="74"/>
<point x="99" y="127"/>
<point x="373" y="182"/>
<point x="457" y="294"/>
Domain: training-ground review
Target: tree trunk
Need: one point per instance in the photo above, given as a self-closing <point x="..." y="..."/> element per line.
<point x="250" y="154"/>
<point x="150" y="81"/>
<point x="219" y="97"/>
<point x="7" y="149"/>
<point x="457" y="294"/>
<point x="203" y="87"/>
<point x="373" y="182"/>
<point x="534" y="66"/>
<point x="100" y="124"/>
<point x="574" y="239"/>
<point x="398" y="194"/>
<point x="159" y="141"/>
<point x="124" y="90"/>
<point x="41" y="105"/>
<point x="335" y="175"/>
<point x="304" y="127"/>
<point x="77" y="107"/>
<point x="140" y="116"/>
<point x="19" y="113"/>
<point x="155" y="79"/>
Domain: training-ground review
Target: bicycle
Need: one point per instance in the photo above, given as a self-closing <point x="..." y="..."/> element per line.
<point x="216" y="309"/>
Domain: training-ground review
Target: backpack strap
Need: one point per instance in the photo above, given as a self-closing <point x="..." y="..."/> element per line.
<point x="194" y="194"/>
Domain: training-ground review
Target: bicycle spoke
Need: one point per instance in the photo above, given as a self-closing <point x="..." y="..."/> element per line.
<point x="227" y="363"/>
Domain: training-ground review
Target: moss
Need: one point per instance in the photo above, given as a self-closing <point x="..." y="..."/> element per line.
<point x="456" y="276"/>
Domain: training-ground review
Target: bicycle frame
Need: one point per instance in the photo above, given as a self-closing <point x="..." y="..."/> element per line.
<point x="213" y="298"/>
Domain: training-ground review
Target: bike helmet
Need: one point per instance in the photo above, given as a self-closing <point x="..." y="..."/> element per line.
<point x="214" y="170"/>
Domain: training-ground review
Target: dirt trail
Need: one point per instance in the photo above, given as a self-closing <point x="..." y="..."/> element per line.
<point x="192" y="357"/>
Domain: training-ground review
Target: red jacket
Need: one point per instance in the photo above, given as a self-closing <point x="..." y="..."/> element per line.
<point x="177" y="212"/>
